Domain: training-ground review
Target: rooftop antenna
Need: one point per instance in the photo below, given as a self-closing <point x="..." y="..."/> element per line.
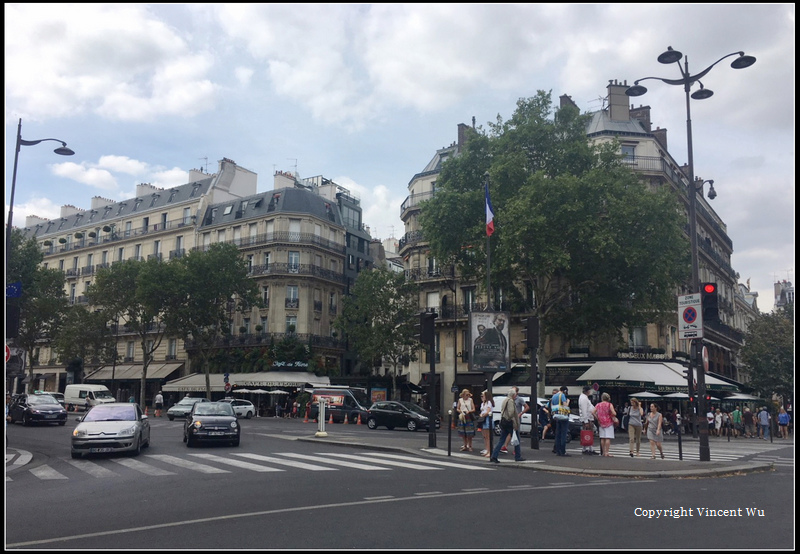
<point x="295" y="166"/>
<point x="205" y="169"/>
<point x="602" y="100"/>
<point x="391" y="231"/>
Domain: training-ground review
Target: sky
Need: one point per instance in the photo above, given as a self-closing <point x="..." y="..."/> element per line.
<point x="365" y="94"/>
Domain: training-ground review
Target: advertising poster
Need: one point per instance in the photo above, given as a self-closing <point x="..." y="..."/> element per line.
<point x="490" y="350"/>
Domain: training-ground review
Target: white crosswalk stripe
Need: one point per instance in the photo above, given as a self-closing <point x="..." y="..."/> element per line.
<point x="340" y="463"/>
<point x="93" y="469"/>
<point x="291" y="463"/>
<point x="142" y="467"/>
<point x="237" y="463"/>
<point x="386" y="462"/>
<point x="46" y="472"/>
<point x="187" y="464"/>
<point x="435" y="462"/>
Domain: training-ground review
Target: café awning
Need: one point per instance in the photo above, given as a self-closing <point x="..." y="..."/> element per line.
<point x="133" y="372"/>
<point x="196" y="382"/>
<point x="657" y="377"/>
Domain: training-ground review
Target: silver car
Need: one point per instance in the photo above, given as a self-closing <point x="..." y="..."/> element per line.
<point x="182" y="408"/>
<point x="114" y="427"/>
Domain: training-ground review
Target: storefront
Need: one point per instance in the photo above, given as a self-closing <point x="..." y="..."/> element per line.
<point x="124" y="380"/>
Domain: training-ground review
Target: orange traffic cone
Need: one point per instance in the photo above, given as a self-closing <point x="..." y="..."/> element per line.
<point x="331" y="419"/>
<point x="345" y="419"/>
<point x="146" y="411"/>
<point x="359" y="419"/>
<point x="306" y="419"/>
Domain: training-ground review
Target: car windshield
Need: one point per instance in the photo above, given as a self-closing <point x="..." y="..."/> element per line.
<point x="39" y="399"/>
<point x="111" y="413"/>
<point x="189" y="401"/>
<point x="213" y="408"/>
<point x="413" y="407"/>
<point x="103" y="394"/>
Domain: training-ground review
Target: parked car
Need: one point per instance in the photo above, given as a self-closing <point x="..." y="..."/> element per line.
<point x="525" y="424"/>
<point x="37" y="408"/>
<point x="340" y="403"/>
<point x="211" y="422"/>
<point x="242" y="408"/>
<point x="183" y="407"/>
<point x="392" y="414"/>
<point x="57" y="395"/>
<point x="117" y="427"/>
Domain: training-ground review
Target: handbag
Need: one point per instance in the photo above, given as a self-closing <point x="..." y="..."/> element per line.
<point x="587" y="437"/>
<point x="480" y="419"/>
<point x="514" y="439"/>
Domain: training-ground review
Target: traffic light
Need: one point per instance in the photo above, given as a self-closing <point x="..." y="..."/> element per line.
<point x="424" y="329"/>
<point x="710" y="302"/>
<point x="530" y="333"/>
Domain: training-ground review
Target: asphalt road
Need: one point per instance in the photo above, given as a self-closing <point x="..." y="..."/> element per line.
<point x="278" y="492"/>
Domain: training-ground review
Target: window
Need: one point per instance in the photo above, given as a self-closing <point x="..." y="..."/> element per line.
<point x="72" y="293"/>
<point x="291" y="323"/>
<point x="187" y="216"/>
<point x="221" y="235"/>
<point x="228" y="210"/>
<point x="249" y="263"/>
<point x="265" y="296"/>
<point x="157" y="247"/>
<point x="246" y="325"/>
<point x="179" y="243"/>
<point x="637" y="338"/>
<point x="432" y="301"/>
<point x="145" y="224"/>
<point x="318" y="260"/>
<point x="433" y="267"/>
<point x="294" y="230"/>
<point x="294" y="262"/>
<point x="120" y="254"/>
<point x="270" y="230"/>
<point x="128" y="228"/>
<point x="137" y="251"/>
<point x="469" y="299"/>
<point x="172" y="349"/>
<point x="628" y="153"/>
<point x="292" y="292"/>
<point x="237" y="234"/>
<point x="267" y="258"/>
<point x="263" y="324"/>
<point x="130" y="350"/>
<point x="104" y="257"/>
<point x="253" y="231"/>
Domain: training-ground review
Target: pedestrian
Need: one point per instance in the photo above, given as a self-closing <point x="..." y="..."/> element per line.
<point x="522" y="407"/>
<point x="466" y="419"/>
<point x="635" y="422"/>
<point x="544" y="418"/>
<point x="295" y="407"/>
<point x="486" y="412"/>
<point x="550" y="423"/>
<point x="676" y="422"/>
<point x="606" y="418"/>
<point x="655" y="433"/>
<point x="559" y="406"/>
<point x="710" y="417"/>
<point x="132" y="399"/>
<point x="586" y="411"/>
<point x="763" y="422"/>
<point x="736" y="416"/>
<point x="749" y="423"/>
<point x="718" y="423"/>
<point x="626" y="411"/>
<point x="159" y="402"/>
<point x="509" y="425"/>
<point x="783" y="422"/>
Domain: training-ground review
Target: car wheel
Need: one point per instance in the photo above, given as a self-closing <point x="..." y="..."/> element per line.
<point x="371" y="423"/>
<point x="235" y="443"/>
<point x="569" y="437"/>
<point x="411" y="425"/>
<point x="138" y="450"/>
<point x="26" y="420"/>
<point x="171" y="418"/>
<point x="189" y="442"/>
<point x="248" y="415"/>
<point x="62" y="423"/>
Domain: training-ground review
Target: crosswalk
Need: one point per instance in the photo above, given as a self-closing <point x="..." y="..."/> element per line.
<point x="157" y="465"/>
<point x="718" y="452"/>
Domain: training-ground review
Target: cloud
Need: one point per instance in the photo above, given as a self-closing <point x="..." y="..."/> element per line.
<point x="82" y="173"/>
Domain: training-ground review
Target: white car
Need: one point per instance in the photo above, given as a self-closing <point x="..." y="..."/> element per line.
<point x="182" y="408"/>
<point x="525" y="424"/>
<point x="242" y="408"/>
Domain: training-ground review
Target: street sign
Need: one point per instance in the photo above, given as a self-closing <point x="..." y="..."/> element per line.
<point x="227" y="387"/>
<point x="690" y="317"/>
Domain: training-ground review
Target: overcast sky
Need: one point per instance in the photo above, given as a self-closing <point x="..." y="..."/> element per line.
<point x="365" y="95"/>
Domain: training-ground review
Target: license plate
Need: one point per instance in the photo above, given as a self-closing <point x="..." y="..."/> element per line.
<point x="50" y="416"/>
<point x="98" y="450"/>
<point x="216" y="433"/>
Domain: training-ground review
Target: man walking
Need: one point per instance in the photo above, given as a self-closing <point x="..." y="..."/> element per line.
<point x="159" y="402"/>
<point x="559" y="407"/>
<point x="587" y="416"/>
<point x="509" y="422"/>
<point x="763" y="423"/>
<point x="522" y="407"/>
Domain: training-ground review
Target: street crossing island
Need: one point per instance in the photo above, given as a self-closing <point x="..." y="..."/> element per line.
<point x="675" y="513"/>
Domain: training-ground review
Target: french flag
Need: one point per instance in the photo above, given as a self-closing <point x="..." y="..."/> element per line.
<point x="489" y="214"/>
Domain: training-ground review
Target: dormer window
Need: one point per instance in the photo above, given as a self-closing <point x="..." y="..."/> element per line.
<point x="228" y="210"/>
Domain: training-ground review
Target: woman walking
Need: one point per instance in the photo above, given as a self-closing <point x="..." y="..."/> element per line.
<point x="655" y="433"/>
<point x="466" y="420"/>
<point x="635" y="422"/>
<point x="606" y="417"/>
<point x="783" y="422"/>
<point x="486" y="412"/>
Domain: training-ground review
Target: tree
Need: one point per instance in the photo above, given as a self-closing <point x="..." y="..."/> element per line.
<point x="86" y="335"/>
<point x="214" y="282"/>
<point x="378" y="317"/>
<point x="146" y="295"/>
<point x="599" y="249"/>
<point x="42" y="302"/>
<point x="768" y="353"/>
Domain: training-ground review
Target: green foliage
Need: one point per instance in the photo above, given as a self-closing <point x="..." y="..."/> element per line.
<point x="85" y="334"/>
<point x="768" y="353"/>
<point x="599" y="249"/>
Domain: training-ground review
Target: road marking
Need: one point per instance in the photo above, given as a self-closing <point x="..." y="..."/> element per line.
<point x="237" y="463"/>
<point x="340" y="463"/>
<point x="187" y="464"/>
<point x="46" y="472"/>
<point x="141" y="467"/>
<point x="92" y="468"/>
<point x="435" y="462"/>
<point x="273" y="460"/>
<point x="386" y="462"/>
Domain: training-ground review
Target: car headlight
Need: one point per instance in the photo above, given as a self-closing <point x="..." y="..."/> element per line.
<point x="79" y="433"/>
<point x="234" y="425"/>
<point x="197" y="424"/>
<point x="129" y="432"/>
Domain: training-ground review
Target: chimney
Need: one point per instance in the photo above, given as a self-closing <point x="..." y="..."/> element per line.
<point x="642" y="113"/>
<point x="618" y="101"/>
<point x="661" y="137"/>
<point x="462" y="135"/>
<point x="565" y="100"/>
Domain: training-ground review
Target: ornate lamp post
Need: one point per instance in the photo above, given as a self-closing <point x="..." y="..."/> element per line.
<point x="687" y="80"/>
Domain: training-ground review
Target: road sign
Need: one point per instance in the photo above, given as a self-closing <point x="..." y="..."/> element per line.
<point x="690" y="317"/>
<point x="227" y="387"/>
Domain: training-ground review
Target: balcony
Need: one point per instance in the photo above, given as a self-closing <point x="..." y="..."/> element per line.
<point x="292" y="303"/>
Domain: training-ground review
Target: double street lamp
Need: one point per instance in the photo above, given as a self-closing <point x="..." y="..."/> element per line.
<point x="62" y="151"/>
<point x="687" y="80"/>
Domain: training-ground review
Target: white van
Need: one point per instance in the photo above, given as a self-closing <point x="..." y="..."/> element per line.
<point x="75" y="396"/>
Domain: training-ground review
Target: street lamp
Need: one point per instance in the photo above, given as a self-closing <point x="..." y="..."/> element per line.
<point x="62" y="151"/>
<point x="687" y="80"/>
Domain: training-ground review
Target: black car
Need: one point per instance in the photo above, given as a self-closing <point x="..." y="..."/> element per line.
<point x="392" y="414"/>
<point x="37" y="408"/>
<point x="211" y="422"/>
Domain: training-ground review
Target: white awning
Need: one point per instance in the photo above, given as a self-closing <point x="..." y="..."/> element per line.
<point x="658" y="377"/>
<point x="196" y="382"/>
<point x="133" y="372"/>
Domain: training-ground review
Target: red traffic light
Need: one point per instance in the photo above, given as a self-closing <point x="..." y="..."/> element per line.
<point x="709" y="288"/>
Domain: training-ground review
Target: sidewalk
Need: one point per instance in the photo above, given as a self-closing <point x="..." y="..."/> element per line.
<point x="620" y="464"/>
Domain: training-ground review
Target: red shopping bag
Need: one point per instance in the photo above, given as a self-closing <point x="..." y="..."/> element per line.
<point x="587" y="437"/>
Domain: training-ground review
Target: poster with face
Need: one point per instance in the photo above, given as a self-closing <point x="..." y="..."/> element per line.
<point x="489" y="341"/>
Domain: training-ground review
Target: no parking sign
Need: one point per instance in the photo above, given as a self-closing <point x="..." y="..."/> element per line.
<point x="690" y="317"/>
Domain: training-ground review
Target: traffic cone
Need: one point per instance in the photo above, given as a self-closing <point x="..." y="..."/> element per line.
<point x="331" y="419"/>
<point x="359" y="420"/>
<point x="345" y="419"/>
<point x="306" y="419"/>
<point x="146" y="411"/>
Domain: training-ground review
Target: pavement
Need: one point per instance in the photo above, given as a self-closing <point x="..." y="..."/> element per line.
<point x="620" y="464"/>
